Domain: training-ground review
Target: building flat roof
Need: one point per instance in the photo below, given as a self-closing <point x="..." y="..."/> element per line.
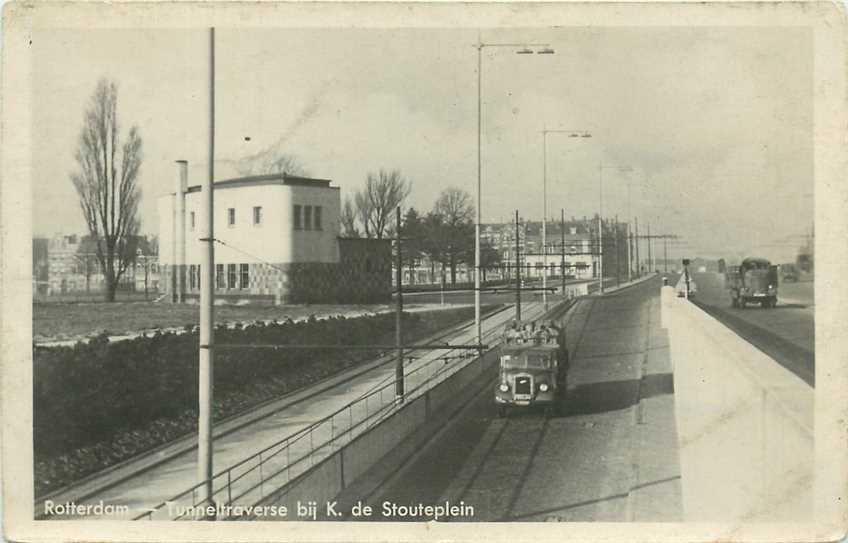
<point x="268" y="179"/>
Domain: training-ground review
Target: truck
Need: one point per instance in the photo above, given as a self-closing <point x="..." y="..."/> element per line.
<point x="533" y="368"/>
<point x="788" y="273"/>
<point x="753" y="281"/>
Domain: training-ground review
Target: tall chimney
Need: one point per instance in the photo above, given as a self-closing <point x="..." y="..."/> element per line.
<point x="173" y="281"/>
<point x="180" y="234"/>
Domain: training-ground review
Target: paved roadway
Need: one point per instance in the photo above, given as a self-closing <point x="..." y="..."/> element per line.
<point x="162" y="482"/>
<point x="611" y="457"/>
<point x="786" y="332"/>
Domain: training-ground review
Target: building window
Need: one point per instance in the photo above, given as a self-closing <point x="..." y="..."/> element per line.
<point x="297" y="223"/>
<point x="191" y="220"/>
<point x="219" y="276"/>
<point x="244" y="275"/>
<point x="257" y="215"/>
<point x="231" y="216"/>
<point x="231" y="276"/>
<point x="316" y="220"/>
<point x="307" y="217"/>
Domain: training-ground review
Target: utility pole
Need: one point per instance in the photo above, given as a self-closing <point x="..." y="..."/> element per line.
<point x="638" y="264"/>
<point x="477" y="323"/>
<point x="629" y="238"/>
<point x="617" y="259"/>
<point x="650" y="255"/>
<point x="399" y="315"/>
<point x="544" y="221"/>
<point x="600" y="229"/>
<point x="562" y="250"/>
<point x="517" y="272"/>
<point x="207" y="304"/>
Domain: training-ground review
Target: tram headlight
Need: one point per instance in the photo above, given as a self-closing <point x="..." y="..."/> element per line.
<point x="503" y="387"/>
<point x="543" y="387"/>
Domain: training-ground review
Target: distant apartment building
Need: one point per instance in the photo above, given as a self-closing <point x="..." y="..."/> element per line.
<point x="277" y="241"/>
<point x="40" y="269"/>
<point x="578" y="255"/>
<point x="72" y="266"/>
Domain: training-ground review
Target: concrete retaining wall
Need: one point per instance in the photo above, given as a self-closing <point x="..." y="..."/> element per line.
<point x="330" y="477"/>
<point x="745" y="424"/>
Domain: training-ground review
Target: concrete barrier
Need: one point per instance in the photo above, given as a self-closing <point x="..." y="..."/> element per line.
<point x="745" y="424"/>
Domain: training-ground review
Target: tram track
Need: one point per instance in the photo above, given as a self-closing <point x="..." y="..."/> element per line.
<point x="138" y="466"/>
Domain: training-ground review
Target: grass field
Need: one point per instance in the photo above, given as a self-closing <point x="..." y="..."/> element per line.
<point x="67" y="320"/>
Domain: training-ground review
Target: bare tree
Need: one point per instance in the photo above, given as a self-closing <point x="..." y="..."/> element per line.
<point x="347" y="220"/>
<point x="376" y="202"/>
<point x="455" y="207"/>
<point x="106" y="183"/>
<point x="456" y="212"/>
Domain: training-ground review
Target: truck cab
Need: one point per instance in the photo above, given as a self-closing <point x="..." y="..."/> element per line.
<point x="753" y="281"/>
<point x="532" y="370"/>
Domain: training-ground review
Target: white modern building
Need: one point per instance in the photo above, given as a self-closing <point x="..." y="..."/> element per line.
<point x="277" y="240"/>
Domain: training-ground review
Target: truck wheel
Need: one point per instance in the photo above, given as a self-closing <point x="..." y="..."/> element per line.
<point x="734" y="302"/>
<point x="501" y="412"/>
<point x="742" y="303"/>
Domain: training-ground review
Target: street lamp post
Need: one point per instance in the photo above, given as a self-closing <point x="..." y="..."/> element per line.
<point x="545" y="132"/>
<point x="544" y="49"/>
<point x="600" y="229"/>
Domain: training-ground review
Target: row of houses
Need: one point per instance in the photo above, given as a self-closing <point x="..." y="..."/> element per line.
<point x="68" y="264"/>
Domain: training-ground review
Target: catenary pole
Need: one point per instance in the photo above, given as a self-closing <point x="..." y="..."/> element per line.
<point x="600" y="229"/>
<point x="399" y="314"/>
<point x="517" y="271"/>
<point x="617" y="259"/>
<point x="562" y="248"/>
<point x="477" y="323"/>
<point x="650" y="250"/>
<point x="638" y="263"/>
<point x="207" y="293"/>
<point x="544" y="219"/>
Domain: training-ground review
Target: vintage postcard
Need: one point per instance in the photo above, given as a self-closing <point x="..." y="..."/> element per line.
<point x="424" y="271"/>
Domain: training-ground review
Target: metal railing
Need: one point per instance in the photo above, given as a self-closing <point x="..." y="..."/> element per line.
<point x="251" y="479"/>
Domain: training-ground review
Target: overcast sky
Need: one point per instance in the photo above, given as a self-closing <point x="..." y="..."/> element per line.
<point x="714" y="123"/>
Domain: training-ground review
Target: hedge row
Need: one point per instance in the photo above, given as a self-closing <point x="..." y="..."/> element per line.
<point x="98" y="403"/>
